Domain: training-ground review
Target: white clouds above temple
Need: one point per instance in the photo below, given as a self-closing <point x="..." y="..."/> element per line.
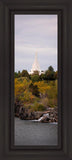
<point x="35" y="33"/>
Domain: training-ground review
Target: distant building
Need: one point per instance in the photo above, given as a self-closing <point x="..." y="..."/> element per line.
<point x="35" y="67"/>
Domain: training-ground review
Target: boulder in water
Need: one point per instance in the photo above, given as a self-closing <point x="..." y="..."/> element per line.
<point x="44" y="118"/>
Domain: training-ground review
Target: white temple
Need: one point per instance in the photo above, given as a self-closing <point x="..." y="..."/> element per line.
<point x="35" y="66"/>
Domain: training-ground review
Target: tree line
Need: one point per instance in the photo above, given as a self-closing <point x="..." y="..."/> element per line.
<point x="49" y="74"/>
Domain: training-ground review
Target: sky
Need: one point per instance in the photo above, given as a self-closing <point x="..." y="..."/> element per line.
<point x="35" y="33"/>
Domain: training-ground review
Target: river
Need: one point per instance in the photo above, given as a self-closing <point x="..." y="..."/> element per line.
<point x="29" y="132"/>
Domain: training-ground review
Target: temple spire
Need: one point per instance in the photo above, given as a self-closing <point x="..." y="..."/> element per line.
<point x="35" y="66"/>
<point x="36" y="55"/>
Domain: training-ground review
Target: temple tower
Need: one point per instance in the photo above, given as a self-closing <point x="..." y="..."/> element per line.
<point x="35" y="66"/>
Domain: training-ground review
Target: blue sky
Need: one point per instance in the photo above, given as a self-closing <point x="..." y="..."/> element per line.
<point x="35" y="33"/>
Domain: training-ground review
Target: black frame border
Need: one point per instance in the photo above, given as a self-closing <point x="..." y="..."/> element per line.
<point x="7" y="9"/>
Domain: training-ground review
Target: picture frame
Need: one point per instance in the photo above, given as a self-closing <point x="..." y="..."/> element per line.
<point x="7" y="10"/>
<point x="33" y="104"/>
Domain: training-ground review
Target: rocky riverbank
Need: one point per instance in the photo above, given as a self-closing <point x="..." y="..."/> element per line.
<point x="50" y="115"/>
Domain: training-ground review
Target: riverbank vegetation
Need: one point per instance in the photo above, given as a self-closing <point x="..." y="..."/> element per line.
<point x="36" y="92"/>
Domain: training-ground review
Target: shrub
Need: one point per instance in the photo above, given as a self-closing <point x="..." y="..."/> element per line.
<point x="41" y="107"/>
<point x="45" y="101"/>
<point x="31" y="108"/>
<point x="38" y="107"/>
<point x="34" y="89"/>
<point x="35" y="78"/>
<point x="51" y="102"/>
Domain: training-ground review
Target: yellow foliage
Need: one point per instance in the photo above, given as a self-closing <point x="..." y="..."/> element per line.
<point x="47" y="91"/>
<point x="43" y="87"/>
<point x="21" y="90"/>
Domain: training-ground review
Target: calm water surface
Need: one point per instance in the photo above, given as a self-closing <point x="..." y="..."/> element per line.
<point x="35" y="133"/>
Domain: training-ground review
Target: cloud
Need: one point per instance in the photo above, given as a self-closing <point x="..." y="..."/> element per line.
<point x="28" y="50"/>
<point x="35" y="33"/>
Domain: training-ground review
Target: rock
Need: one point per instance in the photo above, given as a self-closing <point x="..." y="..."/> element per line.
<point x="22" y="113"/>
<point x="26" y="114"/>
<point x="45" y="119"/>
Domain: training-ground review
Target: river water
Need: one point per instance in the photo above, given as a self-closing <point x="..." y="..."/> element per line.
<point x="29" y="132"/>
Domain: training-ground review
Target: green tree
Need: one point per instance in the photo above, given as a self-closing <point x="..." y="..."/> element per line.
<point x="36" y="73"/>
<point x="50" y="68"/>
<point x="25" y="73"/>
<point x="34" y="89"/>
<point x="50" y="74"/>
<point x="15" y="75"/>
<point x="19" y="74"/>
<point x="42" y="76"/>
<point x="35" y="78"/>
<point x="56" y="74"/>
